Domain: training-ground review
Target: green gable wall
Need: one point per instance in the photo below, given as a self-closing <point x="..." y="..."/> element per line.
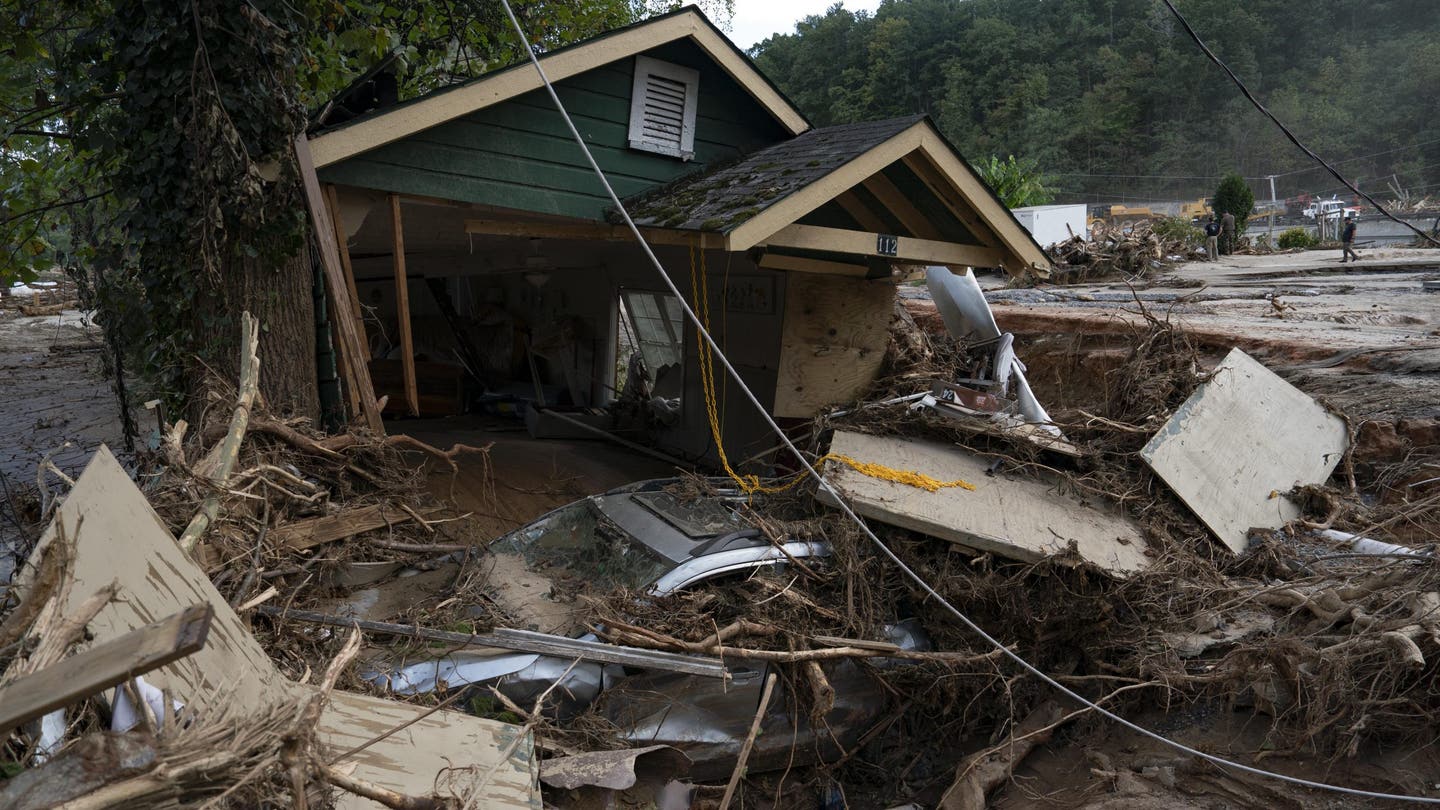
<point x="519" y="154"/>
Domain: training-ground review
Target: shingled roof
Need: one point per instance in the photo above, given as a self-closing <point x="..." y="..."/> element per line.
<point x="724" y="199"/>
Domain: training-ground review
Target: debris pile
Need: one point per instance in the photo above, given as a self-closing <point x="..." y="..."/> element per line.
<point x="287" y="618"/>
<point x="1132" y="249"/>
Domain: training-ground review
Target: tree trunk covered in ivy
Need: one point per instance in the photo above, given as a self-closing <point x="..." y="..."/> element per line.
<point x="207" y="98"/>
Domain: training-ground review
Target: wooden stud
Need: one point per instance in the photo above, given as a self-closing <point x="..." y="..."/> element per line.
<point x="433" y="110"/>
<point x="103" y="666"/>
<point x="402" y="308"/>
<point x="910" y="250"/>
<point x="861" y="213"/>
<point x="962" y="210"/>
<point x="900" y="205"/>
<point x="354" y="370"/>
<point x="350" y="393"/>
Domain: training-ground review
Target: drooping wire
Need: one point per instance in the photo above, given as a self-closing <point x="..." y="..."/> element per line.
<point x="1288" y="134"/>
<point x="844" y="505"/>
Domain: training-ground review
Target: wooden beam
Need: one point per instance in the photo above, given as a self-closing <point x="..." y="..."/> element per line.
<point x="355" y="372"/>
<point x="794" y="206"/>
<point x="386" y="127"/>
<point x="904" y="210"/>
<point x="861" y="243"/>
<point x="1011" y="235"/>
<point x="103" y="666"/>
<point x="342" y="243"/>
<point x="402" y="308"/>
<point x="350" y="393"/>
<point x="801" y="264"/>
<point x="522" y="641"/>
<point x="941" y="188"/>
<point x="592" y="231"/>
<point x="298" y="535"/>
<point x="861" y="213"/>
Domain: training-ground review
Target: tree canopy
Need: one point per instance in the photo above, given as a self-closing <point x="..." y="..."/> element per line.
<point x="1115" y="103"/>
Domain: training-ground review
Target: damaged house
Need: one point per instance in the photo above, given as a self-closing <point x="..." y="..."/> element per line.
<point x="492" y="275"/>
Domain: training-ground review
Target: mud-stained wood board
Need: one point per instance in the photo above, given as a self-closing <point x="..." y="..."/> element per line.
<point x="1239" y="442"/>
<point x="833" y="340"/>
<point x="122" y="539"/>
<point x="1020" y="518"/>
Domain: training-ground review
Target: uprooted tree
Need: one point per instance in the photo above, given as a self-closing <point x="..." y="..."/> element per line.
<point x="147" y="149"/>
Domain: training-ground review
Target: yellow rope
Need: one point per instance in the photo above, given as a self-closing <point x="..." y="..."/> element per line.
<point x="750" y="484"/>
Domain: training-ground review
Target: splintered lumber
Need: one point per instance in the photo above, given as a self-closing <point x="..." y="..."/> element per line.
<point x="1020" y="518"/>
<point x="749" y="742"/>
<point x="99" y="668"/>
<point x="399" y="747"/>
<point x="402" y="307"/>
<point x="523" y="641"/>
<point x="347" y="320"/>
<point x="1242" y="440"/>
<point x="302" y="534"/>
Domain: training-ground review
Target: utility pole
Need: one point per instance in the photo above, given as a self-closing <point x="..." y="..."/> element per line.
<point x="1271" y="178"/>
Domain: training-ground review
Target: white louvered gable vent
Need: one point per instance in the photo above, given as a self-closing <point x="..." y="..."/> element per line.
<point x="662" y="108"/>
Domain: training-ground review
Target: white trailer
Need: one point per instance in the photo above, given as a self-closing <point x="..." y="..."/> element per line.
<point x="1048" y="223"/>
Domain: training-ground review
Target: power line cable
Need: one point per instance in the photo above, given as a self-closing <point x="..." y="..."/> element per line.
<point x="850" y="513"/>
<point x="1288" y="134"/>
<point x="1353" y="159"/>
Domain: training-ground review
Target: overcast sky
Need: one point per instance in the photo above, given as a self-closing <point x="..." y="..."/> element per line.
<point x="757" y="19"/>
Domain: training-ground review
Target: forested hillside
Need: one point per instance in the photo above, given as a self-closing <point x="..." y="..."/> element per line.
<point x="1115" y="101"/>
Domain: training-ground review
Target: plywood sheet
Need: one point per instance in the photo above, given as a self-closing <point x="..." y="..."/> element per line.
<point x="1018" y="518"/>
<point x="833" y="340"/>
<point x="1242" y="436"/>
<point x="122" y="539"/>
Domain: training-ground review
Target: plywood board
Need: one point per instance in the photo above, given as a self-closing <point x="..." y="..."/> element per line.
<point x="1238" y="442"/>
<point x="832" y="342"/>
<point x="1020" y="518"/>
<point x="122" y="539"/>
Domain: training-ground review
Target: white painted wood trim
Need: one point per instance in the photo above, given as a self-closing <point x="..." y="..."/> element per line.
<point x="370" y="133"/>
<point x="860" y="243"/>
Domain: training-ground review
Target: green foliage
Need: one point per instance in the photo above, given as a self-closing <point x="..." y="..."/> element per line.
<point x="1234" y="196"/>
<point x="1017" y="183"/>
<point x="1294" y="238"/>
<point x="1178" y="229"/>
<point x="1095" y="88"/>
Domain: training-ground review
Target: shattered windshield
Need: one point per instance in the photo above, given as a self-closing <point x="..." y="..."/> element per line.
<point x="579" y="541"/>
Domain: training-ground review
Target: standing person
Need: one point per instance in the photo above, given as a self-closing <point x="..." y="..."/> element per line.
<point x="1227" y="233"/>
<point x="1212" y="239"/>
<point x="1347" y="240"/>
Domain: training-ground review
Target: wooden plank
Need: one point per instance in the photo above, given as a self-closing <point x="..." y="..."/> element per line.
<point x="123" y="539"/>
<point x="901" y="207"/>
<point x="309" y="532"/>
<point x="347" y="319"/>
<point x="861" y="243"/>
<point x="832" y="341"/>
<point x="861" y="212"/>
<point x="402" y="307"/>
<point x="1241" y="438"/>
<point x="342" y="242"/>
<point x="437" y="108"/>
<point x="801" y="264"/>
<point x="351" y="394"/>
<point x="103" y="666"/>
<point x="591" y="231"/>
<point x="1019" y="518"/>
<point x="1011" y="234"/>
<point x="523" y="641"/>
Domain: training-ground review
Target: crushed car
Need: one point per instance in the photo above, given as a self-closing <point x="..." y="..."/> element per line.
<point x="650" y="541"/>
